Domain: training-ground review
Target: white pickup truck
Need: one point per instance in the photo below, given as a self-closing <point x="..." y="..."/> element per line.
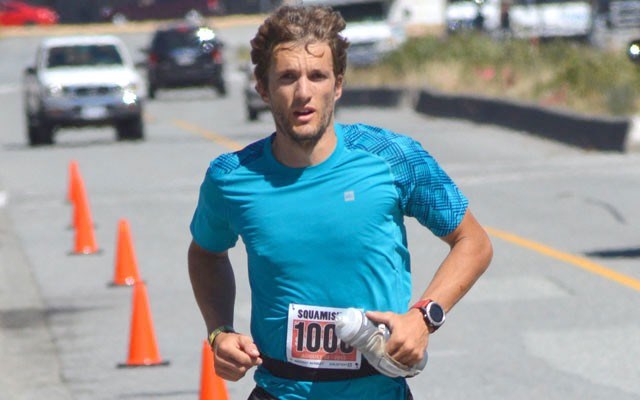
<point x="82" y="81"/>
<point x="374" y="27"/>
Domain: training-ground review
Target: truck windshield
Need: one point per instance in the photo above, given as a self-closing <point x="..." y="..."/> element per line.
<point x="362" y="12"/>
<point x="83" y="55"/>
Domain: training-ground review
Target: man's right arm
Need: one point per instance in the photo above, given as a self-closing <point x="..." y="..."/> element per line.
<point x="213" y="285"/>
<point x="214" y="288"/>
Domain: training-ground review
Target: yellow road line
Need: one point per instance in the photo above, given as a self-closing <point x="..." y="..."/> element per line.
<point x="577" y="261"/>
<point x="207" y="134"/>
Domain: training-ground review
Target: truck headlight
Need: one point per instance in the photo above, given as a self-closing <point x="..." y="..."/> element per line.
<point x="53" y="90"/>
<point x="129" y="95"/>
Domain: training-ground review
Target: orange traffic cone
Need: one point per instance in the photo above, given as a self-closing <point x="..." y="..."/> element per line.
<point x="126" y="268"/>
<point x="143" y="348"/>
<point x="212" y="387"/>
<point x="85" y="240"/>
<point x="76" y="186"/>
<point x="74" y="176"/>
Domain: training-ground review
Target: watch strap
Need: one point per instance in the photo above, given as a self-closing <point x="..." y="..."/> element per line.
<point x="219" y="330"/>
<point x="421" y="304"/>
<point x="422" y="307"/>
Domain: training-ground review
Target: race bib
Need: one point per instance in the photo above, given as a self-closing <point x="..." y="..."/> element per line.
<point x="312" y="341"/>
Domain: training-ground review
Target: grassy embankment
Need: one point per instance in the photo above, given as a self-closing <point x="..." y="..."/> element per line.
<point x="560" y="74"/>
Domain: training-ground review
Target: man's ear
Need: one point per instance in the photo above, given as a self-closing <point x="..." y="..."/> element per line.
<point x="262" y="91"/>
<point x="339" y="83"/>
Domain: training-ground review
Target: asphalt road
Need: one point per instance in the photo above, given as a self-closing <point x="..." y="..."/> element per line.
<point x="555" y="317"/>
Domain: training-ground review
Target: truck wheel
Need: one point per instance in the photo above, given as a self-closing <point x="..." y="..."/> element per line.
<point x="40" y="134"/>
<point x="132" y="129"/>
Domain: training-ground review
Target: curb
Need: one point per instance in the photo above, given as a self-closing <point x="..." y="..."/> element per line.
<point x="30" y="367"/>
<point x="621" y="134"/>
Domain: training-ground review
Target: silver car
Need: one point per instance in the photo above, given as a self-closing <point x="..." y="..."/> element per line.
<point x="253" y="102"/>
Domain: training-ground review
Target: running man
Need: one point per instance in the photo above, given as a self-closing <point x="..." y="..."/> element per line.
<point x="320" y="208"/>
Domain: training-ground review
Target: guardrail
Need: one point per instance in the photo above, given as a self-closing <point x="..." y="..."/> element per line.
<point x="621" y="134"/>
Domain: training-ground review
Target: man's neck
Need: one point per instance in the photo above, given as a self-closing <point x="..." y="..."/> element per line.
<point x="300" y="155"/>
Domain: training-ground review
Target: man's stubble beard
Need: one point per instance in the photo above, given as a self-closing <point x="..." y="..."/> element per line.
<point x="306" y="140"/>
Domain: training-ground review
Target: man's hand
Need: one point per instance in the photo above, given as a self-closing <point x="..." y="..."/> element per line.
<point x="234" y="354"/>
<point x="409" y="335"/>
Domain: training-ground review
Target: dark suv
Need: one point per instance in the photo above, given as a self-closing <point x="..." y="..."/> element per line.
<point x="184" y="55"/>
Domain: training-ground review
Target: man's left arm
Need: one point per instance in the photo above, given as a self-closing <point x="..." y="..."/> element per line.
<point x="469" y="256"/>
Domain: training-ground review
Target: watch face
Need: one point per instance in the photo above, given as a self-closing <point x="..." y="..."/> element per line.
<point x="436" y="313"/>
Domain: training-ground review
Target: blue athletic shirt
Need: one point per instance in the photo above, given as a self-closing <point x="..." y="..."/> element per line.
<point x="328" y="235"/>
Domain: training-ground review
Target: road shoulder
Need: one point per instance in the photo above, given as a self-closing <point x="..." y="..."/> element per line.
<point x="30" y="367"/>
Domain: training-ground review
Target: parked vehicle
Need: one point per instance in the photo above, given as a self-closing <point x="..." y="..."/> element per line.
<point x="464" y="15"/>
<point x="551" y="18"/>
<point x="185" y="55"/>
<point x="18" y="13"/>
<point x="374" y="27"/>
<point x="252" y="99"/>
<point x="82" y="81"/>
<point x="525" y="18"/>
<point x="619" y="14"/>
<point x="121" y="11"/>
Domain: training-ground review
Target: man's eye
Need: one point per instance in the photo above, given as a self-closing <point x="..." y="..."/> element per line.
<point x="287" y="77"/>
<point x="318" y="76"/>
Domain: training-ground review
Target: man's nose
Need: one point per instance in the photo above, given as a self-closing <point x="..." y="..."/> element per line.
<point x="303" y="88"/>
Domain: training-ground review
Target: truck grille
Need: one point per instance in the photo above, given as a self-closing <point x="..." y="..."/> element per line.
<point x="86" y="91"/>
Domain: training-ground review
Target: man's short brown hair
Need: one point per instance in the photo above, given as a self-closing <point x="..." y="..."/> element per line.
<point x="301" y="25"/>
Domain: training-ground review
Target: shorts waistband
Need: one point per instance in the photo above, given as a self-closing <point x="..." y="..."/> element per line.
<point x="286" y="370"/>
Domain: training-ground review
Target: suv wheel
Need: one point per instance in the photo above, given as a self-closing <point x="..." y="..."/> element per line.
<point x="221" y="88"/>
<point x="151" y="91"/>
<point x="131" y="129"/>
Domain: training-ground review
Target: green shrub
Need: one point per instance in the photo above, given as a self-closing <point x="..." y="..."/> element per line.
<point x="556" y="73"/>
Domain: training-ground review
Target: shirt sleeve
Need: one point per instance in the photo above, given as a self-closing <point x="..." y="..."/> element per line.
<point x="428" y="193"/>
<point x="210" y="225"/>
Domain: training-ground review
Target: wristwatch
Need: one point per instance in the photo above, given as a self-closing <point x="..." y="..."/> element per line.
<point x="432" y="312"/>
<point x="219" y="330"/>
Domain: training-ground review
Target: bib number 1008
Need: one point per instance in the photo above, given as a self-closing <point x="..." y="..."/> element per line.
<point x="319" y="338"/>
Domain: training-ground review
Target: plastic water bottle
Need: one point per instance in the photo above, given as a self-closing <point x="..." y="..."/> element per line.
<point x="354" y="328"/>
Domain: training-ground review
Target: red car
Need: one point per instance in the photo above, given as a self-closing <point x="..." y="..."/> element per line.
<point x="20" y="13"/>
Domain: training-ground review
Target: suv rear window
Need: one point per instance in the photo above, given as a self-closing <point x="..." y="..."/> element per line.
<point x="83" y="55"/>
<point x="181" y="38"/>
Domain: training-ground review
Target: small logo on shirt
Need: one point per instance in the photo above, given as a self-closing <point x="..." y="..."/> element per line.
<point x="349" y="195"/>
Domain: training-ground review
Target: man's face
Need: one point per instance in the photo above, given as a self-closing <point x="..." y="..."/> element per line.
<point x="302" y="90"/>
